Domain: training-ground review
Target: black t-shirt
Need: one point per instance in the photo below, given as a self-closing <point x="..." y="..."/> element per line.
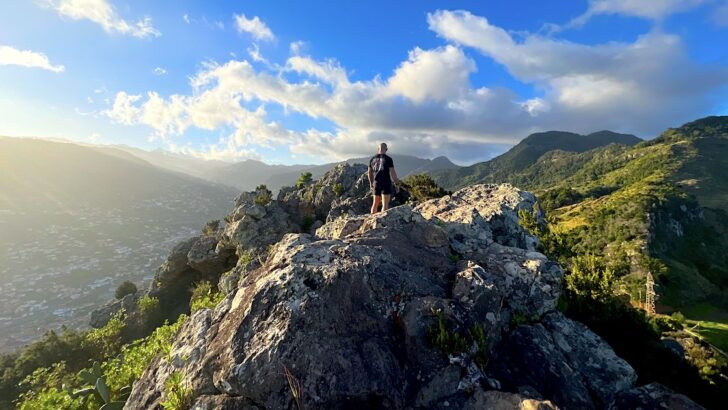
<point x="380" y="164"/>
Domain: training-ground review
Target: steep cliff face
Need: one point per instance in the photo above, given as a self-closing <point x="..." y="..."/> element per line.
<point x="444" y="305"/>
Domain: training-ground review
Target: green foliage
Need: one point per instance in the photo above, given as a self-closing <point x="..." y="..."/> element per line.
<point x="422" y="187"/>
<point x="211" y="227"/>
<point x="263" y="196"/>
<point x="108" y="338"/>
<point x="177" y="393"/>
<point x="148" y="305"/>
<point x="338" y="189"/>
<point x="590" y="277"/>
<point x="451" y="342"/>
<point x="304" y="179"/>
<point x="124" y="369"/>
<point x="204" y="296"/>
<point x="126" y="288"/>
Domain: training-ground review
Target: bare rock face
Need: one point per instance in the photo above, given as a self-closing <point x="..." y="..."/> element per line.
<point x="653" y="396"/>
<point x="563" y="360"/>
<point x="496" y="204"/>
<point x="354" y="313"/>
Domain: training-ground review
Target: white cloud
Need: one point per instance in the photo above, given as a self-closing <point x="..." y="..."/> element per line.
<point x="254" y="53"/>
<point x="439" y="75"/>
<point x="639" y="87"/>
<point x="186" y="18"/>
<point x="427" y="106"/>
<point x="297" y="47"/>
<point x="648" y="9"/>
<point x="103" y="13"/>
<point x="255" y="27"/>
<point x="26" y="58"/>
<point x="159" y="71"/>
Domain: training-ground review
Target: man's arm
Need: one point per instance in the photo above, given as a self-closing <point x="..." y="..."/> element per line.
<point x="370" y="174"/>
<point x="395" y="178"/>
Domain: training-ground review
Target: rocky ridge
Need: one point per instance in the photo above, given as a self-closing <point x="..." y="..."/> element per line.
<point x="446" y="304"/>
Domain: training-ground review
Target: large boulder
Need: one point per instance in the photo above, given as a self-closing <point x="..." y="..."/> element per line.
<point x="393" y="310"/>
<point x="564" y="361"/>
<point x="497" y="204"/>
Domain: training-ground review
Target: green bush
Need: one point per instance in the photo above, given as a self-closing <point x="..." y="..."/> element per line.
<point x="204" y="296"/>
<point x="422" y="187"/>
<point x="338" y="189"/>
<point x="126" y="288"/>
<point x="177" y="392"/>
<point x="304" y="179"/>
<point x="590" y="277"/>
<point x="148" y="306"/>
<point x="124" y="369"/>
<point x="263" y="196"/>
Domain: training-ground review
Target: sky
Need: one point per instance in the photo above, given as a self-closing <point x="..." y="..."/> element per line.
<point x="315" y="81"/>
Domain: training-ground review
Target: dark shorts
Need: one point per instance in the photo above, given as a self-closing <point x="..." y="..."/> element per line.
<point x="382" y="188"/>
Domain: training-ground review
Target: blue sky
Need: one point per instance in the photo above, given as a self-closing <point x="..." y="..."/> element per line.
<point x="314" y="81"/>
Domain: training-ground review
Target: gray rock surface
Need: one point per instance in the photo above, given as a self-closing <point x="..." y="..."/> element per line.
<point x="653" y="396"/>
<point x="352" y="312"/>
<point x="564" y="361"/>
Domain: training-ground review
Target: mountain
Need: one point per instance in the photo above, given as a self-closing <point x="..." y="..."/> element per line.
<point x="404" y="165"/>
<point x="170" y="161"/>
<point x="526" y="153"/>
<point x="305" y="300"/>
<point x="248" y="174"/>
<point x="658" y="207"/>
<point x="76" y="221"/>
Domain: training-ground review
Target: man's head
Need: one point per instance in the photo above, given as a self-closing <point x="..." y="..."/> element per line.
<point x="382" y="148"/>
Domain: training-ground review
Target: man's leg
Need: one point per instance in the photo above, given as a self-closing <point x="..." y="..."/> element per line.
<point x="385" y="201"/>
<point x="375" y="205"/>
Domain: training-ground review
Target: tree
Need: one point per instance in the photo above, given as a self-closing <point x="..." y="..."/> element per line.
<point x="126" y="288"/>
<point x="304" y="179"/>
<point x="422" y="187"/>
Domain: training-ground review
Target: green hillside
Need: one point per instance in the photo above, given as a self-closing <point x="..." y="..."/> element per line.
<point x="525" y="154"/>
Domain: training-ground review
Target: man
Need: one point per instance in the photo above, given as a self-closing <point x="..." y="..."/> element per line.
<point x="381" y="174"/>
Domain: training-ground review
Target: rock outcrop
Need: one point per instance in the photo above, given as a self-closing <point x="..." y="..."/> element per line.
<point x="444" y="305"/>
<point x="353" y="313"/>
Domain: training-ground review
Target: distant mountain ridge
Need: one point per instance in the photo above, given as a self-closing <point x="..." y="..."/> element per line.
<point x="246" y="175"/>
<point x="526" y="153"/>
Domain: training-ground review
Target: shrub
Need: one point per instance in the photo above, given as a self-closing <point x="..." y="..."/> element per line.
<point x="304" y="179"/>
<point x="107" y="339"/>
<point x="177" y="392"/>
<point x="204" y="296"/>
<point x="590" y="278"/>
<point x="148" y="306"/>
<point x="128" y="366"/>
<point x="422" y="187"/>
<point x="338" y="189"/>
<point x="126" y="288"/>
<point x="263" y="195"/>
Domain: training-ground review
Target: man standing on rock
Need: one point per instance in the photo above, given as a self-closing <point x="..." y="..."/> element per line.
<point x="381" y="174"/>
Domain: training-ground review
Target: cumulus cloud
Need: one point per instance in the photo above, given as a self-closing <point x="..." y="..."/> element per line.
<point x="427" y="104"/>
<point x="651" y="9"/>
<point x="26" y="58"/>
<point x="640" y="86"/>
<point x="254" y="26"/>
<point x="159" y="71"/>
<point x="103" y="13"/>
